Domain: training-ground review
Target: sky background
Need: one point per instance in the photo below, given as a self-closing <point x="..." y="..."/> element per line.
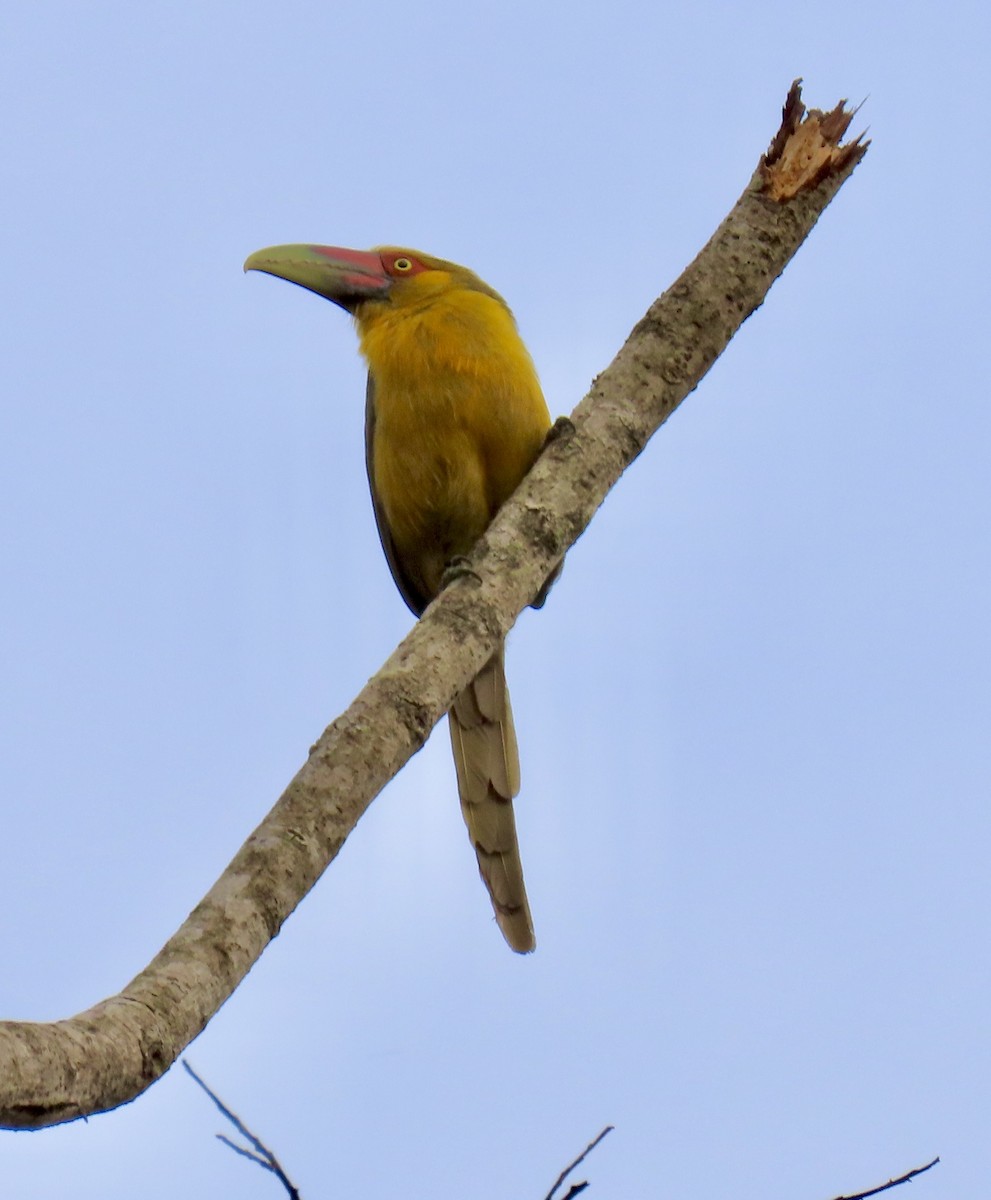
<point x="753" y="717"/>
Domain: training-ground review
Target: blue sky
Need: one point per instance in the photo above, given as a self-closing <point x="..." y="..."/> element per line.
<point x="753" y="717"/>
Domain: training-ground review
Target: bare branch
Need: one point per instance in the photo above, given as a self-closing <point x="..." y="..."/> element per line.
<point x="806" y="149"/>
<point x="261" y="1153"/>
<point x="577" y="1187"/>
<point x="56" y="1071"/>
<point x="906" y="1178"/>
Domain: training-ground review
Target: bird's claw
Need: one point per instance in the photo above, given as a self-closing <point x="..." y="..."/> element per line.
<point x="459" y="568"/>
<point x="563" y="427"/>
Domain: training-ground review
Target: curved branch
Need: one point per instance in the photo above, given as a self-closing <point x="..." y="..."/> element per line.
<point x="110" y="1053"/>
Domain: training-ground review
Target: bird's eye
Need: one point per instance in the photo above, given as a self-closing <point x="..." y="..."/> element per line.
<point x="403" y="264"/>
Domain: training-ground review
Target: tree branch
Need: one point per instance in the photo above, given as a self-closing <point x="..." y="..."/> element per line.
<point x="261" y="1153"/>
<point x="577" y="1187"/>
<point x="892" y="1183"/>
<point x="110" y="1053"/>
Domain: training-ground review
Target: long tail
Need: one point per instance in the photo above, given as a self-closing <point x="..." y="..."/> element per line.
<point x="488" y="765"/>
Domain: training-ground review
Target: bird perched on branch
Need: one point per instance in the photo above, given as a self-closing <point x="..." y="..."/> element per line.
<point x="454" y="419"/>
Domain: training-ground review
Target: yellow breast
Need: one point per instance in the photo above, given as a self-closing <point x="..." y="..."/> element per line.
<point x="459" y="418"/>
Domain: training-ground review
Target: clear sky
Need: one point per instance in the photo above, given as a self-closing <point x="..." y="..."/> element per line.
<point x="753" y="717"/>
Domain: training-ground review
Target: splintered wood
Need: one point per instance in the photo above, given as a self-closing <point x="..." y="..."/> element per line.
<point x="807" y="147"/>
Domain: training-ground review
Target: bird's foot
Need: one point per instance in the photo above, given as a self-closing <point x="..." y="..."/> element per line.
<point x="563" y="427"/>
<point x="459" y="568"/>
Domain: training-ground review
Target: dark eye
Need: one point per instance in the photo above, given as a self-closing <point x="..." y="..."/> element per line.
<point x="403" y="264"/>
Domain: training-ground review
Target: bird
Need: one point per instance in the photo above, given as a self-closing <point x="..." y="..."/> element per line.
<point x="454" y="419"/>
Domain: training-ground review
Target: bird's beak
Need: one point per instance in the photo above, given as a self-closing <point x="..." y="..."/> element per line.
<point x="348" y="277"/>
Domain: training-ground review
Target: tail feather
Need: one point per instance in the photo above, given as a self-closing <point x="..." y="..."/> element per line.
<point x="488" y="767"/>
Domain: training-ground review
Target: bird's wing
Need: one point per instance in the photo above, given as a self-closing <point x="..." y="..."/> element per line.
<point x="413" y="595"/>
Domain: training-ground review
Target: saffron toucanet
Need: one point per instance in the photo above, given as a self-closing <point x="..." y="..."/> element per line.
<point x="454" y="419"/>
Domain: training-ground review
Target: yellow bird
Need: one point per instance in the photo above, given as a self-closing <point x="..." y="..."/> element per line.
<point x="454" y="419"/>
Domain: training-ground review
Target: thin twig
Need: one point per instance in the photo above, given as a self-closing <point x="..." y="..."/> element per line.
<point x="577" y="1187"/>
<point x="264" y="1157"/>
<point x="909" y="1175"/>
